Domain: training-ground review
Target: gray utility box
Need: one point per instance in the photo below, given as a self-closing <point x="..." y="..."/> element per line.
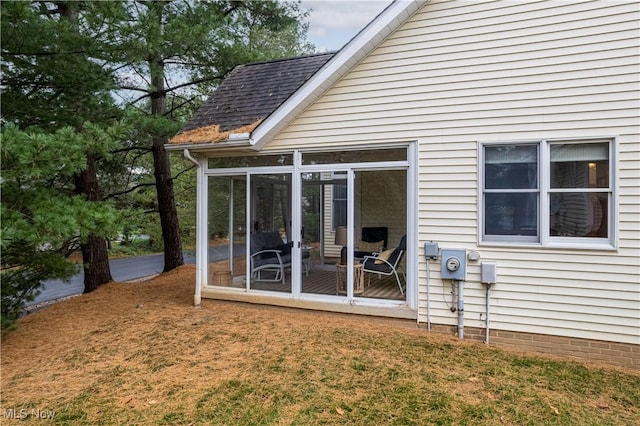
<point x="454" y="264"/>
<point x="431" y="250"/>
<point x="488" y="271"/>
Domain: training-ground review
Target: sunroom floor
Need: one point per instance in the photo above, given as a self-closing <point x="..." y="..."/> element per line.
<point x="325" y="282"/>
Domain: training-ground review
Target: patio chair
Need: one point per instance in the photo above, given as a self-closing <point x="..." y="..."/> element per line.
<point x="386" y="263"/>
<point x="270" y="253"/>
<point x="373" y="240"/>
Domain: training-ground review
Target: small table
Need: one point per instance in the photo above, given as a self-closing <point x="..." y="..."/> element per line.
<point x="358" y="279"/>
<point x="306" y="262"/>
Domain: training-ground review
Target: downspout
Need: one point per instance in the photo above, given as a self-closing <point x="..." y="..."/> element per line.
<point x="197" y="297"/>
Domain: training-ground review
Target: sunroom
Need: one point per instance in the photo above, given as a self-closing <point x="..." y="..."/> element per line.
<point x="308" y="228"/>
<point x="303" y="225"/>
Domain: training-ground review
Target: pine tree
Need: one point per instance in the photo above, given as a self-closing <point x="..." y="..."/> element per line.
<point x="54" y="91"/>
<point x="178" y="51"/>
<point x="71" y="72"/>
<point x="43" y="221"/>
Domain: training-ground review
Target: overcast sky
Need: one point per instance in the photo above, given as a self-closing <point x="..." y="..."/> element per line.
<point x="332" y="23"/>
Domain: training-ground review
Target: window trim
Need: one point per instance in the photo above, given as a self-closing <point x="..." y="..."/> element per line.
<point x="544" y="239"/>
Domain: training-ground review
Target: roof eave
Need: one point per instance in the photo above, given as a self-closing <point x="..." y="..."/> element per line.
<point x="354" y="51"/>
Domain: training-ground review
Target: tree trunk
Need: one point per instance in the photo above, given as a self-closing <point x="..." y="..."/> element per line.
<point x="96" y="263"/>
<point x="162" y="169"/>
<point x="95" y="257"/>
<point x="167" y="207"/>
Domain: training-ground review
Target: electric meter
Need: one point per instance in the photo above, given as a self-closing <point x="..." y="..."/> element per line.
<point x="454" y="264"/>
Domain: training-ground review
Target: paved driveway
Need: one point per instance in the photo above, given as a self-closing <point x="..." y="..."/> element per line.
<point x="126" y="269"/>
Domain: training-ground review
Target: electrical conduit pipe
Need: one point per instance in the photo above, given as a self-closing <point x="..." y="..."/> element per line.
<point x="428" y="296"/>
<point x="486" y="333"/>
<point x="460" y="285"/>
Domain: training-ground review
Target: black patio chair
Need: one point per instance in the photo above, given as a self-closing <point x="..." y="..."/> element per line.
<point x="270" y="253"/>
<point x="382" y="265"/>
<point x="373" y="240"/>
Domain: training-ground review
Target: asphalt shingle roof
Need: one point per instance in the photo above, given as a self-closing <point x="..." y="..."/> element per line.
<point x="253" y="91"/>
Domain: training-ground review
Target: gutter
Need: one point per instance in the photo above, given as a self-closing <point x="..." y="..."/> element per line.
<point x="238" y="140"/>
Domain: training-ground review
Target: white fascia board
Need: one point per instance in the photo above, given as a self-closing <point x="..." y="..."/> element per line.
<point x="349" y="56"/>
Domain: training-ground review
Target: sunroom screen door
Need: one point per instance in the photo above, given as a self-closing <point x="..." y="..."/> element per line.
<point x="381" y="223"/>
<point x="270" y="232"/>
<point x="323" y="208"/>
<point x="226" y="231"/>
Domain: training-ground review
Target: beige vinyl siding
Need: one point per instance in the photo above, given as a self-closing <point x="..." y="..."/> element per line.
<point x="458" y="73"/>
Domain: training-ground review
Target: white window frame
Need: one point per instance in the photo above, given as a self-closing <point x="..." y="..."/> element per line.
<point x="343" y="170"/>
<point x="544" y="239"/>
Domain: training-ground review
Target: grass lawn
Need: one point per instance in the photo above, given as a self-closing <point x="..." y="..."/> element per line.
<point x="140" y="353"/>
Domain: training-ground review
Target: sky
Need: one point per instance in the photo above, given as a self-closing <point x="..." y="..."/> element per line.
<point x="332" y="23"/>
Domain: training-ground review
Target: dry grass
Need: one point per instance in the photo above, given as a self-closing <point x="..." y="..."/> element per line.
<point x="210" y="134"/>
<point x="139" y="353"/>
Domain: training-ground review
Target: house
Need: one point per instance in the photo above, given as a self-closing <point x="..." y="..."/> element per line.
<point x="497" y="144"/>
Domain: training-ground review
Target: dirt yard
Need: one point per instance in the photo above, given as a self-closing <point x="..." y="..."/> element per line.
<point x="140" y="353"/>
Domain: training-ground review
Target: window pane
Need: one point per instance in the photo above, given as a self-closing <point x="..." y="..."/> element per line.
<point x="511" y="167"/>
<point x="580" y="165"/>
<point x="339" y="205"/>
<point x="511" y="214"/>
<point x="270" y="212"/>
<point x="226" y="231"/>
<point x="394" y="154"/>
<point x="380" y="216"/>
<point x="255" y="161"/>
<point x="579" y="214"/>
<point x="580" y="151"/>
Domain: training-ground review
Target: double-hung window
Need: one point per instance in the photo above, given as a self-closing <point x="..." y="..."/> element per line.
<point x="548" y="192"/>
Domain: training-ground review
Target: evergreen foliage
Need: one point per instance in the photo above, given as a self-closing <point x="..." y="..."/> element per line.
<point x="175" y="53"/>
<point x="58" y="119"/>
<point x="91" y="92"/>
<point x="42" y="219"/>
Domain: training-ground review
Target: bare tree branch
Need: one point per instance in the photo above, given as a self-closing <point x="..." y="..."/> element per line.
<point x="134" y="89"/>
<point x="144" y="185"/>
<point x="127" y="191"/>
<point x="183" y="172"/>
<point x="132" y="148"/>
<point x="180" y="105"/>
<point x="171" y="89"/>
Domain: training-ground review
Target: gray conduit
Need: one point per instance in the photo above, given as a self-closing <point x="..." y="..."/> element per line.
<point x="428" y="296"/>
<point x="486" y="333"/>
<point x="460" y="285"/>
